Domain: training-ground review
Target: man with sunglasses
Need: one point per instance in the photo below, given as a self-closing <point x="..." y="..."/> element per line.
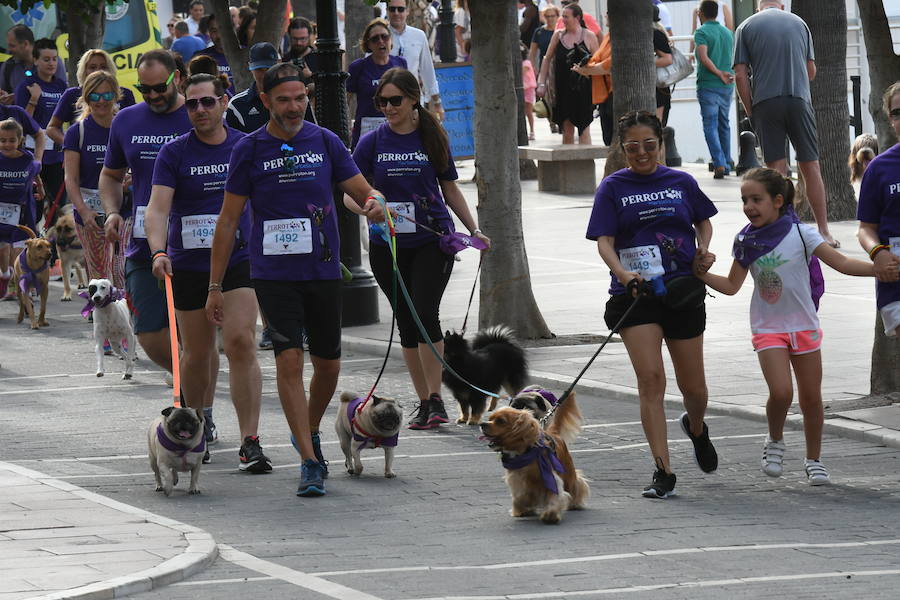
<point x="188" y="184"/>
<point x="286" y="171"/>
<point x="412" y="44"/>
<point x="135" y="138"/>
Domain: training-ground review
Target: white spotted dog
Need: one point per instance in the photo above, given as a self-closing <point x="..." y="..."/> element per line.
<point x="111" y="322"/>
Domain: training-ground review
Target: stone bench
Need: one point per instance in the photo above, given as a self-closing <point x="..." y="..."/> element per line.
<point x="567" y="169"/>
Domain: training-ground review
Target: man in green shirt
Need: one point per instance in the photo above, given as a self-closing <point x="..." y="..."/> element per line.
<point x="714" y="45"/>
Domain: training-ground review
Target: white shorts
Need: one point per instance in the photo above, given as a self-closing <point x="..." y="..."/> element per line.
<point x="890" y="314"/>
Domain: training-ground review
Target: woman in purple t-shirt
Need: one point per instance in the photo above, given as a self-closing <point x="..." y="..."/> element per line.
<point x="649" y="221"/>
<point x="408" y="159"/>
<point x="364" y="74"/>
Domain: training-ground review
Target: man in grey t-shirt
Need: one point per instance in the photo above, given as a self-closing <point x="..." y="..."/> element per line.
<point x="777" y="46"/>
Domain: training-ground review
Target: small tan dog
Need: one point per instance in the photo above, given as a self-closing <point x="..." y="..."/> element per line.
<point x="176" y="444"/>
<point x="31" y="270"/>
<point x="540" y="472"/>
<point x="376" y="424"/>
<point x="70" y="251"/>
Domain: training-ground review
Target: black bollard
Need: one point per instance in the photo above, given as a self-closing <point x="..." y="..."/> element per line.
<point x="673" y="159"/>
<point x="747" y="159"/>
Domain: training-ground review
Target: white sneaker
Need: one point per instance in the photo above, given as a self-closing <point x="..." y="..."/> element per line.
<point x="170" y="381"/>
<point x="772" y="457"/>
<point x="816" y="473"/>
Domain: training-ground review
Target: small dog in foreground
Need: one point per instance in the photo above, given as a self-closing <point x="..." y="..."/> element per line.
<point x="176" y="444"/>
<point x="111" y="322"/>
<point x="371" y="424"/>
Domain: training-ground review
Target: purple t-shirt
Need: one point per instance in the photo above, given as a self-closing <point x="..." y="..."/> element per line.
<point x="363" y="79"/>
<point x="65" y="109"/>
<point x="398" y="166"/>
<point x="16" y="183"/>
<point x="222" y="61"/>
<point x="294" y="235"/>
<point x="91" y="145"/>
<point x="136" y="135"/>
<point x="197" y="172"/>
<point x="51" y="92"/>
<point x="18" y="114"/>
<point x="879" y="202"/>
<point x="652" y="218"/>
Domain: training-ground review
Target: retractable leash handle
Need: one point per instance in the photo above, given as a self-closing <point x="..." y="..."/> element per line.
<point x="173" y="341"/>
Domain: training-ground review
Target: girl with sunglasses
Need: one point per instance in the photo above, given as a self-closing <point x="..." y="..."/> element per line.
<point x="649" y="222"/>
<point x="84" y="148"/>
<point x="365" y="73"/>
<point x="408" y="159"/>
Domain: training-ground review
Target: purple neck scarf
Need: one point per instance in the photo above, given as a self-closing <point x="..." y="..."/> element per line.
<point x="367" y="440"/>
<point x="29" y="278"/>
<point x="171" y="446"/>
<point x="115" y="294"/>
<point x="548" y="396"/>
<point x="548" y="462"/>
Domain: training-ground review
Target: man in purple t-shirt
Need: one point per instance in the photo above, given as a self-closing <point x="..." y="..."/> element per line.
<point x="217" y="54"/>
<point x="135" y="138"/>
<point x="286" y="171"/>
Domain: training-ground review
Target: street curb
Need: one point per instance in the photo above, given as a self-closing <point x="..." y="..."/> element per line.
<point x="199" y="554"/>
<point x="840" y="426"/>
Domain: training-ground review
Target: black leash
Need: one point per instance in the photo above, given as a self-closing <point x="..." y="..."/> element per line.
<point x="472" y="294"/>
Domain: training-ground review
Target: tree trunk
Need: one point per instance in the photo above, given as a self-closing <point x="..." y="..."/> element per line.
<point x="269" y="27"/>
<point x="527" y="168"/>
<point x="305" y="8"/>
<point x="634" y="77"/>
<point x="885" y="376"/>
<point x="827" y="22"/>
<point x="357" y="15"/>
<point x="884" y="65"/>
<point x="505" y="292"/>
<point x="86" y="31"/>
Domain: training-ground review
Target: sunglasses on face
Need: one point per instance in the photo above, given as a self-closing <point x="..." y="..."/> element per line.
<point x="381" y="101"/>
<point x="291" y="163"/>
<point x="398" y="9"/>
<point x="895" y="114"/>
<point x="379" y="37"/>
<point x="107" y="96"/>
<point x="649" y="145"/>
<point x="207" y="102"/>
<point x="159" y="88"/>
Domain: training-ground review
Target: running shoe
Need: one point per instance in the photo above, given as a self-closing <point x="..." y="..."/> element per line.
<point x="265" y="340"/>
<point x="773" y="457"/>
<point x="311" y="481"/>
<point x="437" y="414"/>
<point x="816" y="473"/>
<point x="420" y="416"/>
<point x="252" y="458"/>
<point x="206" y="458"/>
<point x="663" y="485"/>
<point x="317" y="450"/>
<point x="704" y="453"/>
<point x="210" y="430"/>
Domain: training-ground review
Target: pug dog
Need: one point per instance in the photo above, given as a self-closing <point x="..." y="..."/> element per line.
<point x="371" y="424"/>
<point x="176" y="444"/>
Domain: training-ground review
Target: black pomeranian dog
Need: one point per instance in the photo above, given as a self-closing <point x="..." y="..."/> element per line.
<point x="491" y="362"/>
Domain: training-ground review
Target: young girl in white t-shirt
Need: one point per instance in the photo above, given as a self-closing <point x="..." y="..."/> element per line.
<point x="777" y="250"/>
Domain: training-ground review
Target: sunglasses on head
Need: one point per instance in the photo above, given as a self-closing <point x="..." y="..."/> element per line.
<point x="381" y="101"/>
<point x="207" y="102"/>
<point x="398" y="9"/>
<point x="379" y="37"/>
<point x="895" y="114"/>
<point x="107" y="96"/>
<point x="159" y="88"/>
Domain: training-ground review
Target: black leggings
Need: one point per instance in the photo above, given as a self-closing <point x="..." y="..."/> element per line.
<point x="426" y="271"/>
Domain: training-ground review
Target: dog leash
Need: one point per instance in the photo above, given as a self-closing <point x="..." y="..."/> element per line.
<point x="472" y="294"/>
<point x="173" y="342"/>
<point x="643" y="289"/>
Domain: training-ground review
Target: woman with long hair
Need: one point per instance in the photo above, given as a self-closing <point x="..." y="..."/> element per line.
<point x="408" y="158"/>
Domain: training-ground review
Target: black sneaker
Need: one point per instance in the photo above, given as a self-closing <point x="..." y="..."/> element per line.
<point x="317" y="450"/>
<point x="265" y="340"/>
<point x="704" y="453"/>
<point x="663" y="485"/>
<point x="252" y="458"/>
<point x="420" y="416"/>
<point x="206" y="458"/>
<point x="437" y="414"/>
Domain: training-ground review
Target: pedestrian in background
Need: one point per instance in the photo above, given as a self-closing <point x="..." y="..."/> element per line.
<point x="529" y="85"/>
<point x="599" y="69"/>
<point x="714" y="46"/>
<point x="412" y="44"/>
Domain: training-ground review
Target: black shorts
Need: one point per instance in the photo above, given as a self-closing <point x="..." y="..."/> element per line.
<point x="146" y="296"/>
<point x="676" y="324"/>
<point x="292" y="308"/>
<point x="190" y="288"/>
<point x="784" y="118"/>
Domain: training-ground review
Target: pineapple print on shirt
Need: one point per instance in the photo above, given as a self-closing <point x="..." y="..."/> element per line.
<point x="768" y="282"/>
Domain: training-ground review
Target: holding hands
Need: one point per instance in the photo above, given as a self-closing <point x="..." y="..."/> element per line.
<point x="703" y="260"/>
<point x="887" y="267"/>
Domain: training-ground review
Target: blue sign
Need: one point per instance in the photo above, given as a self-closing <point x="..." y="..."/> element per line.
<point x="458" y="97"/>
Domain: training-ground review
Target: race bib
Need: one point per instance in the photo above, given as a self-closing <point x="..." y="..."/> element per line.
<point x="644" y="260"/>
<point x="138" y="230"/>
<point x="197" y="231"/>
<point x="403" y="209"/>
<point x="895" y="245"/>
<point x="92" y="200"/>
<point x="10" y="213"/>
<point x="287" y="236"/>
<point x="368" y="124"/>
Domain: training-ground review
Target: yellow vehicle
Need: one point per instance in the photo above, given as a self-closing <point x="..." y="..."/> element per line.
<point x="132" y="28"/>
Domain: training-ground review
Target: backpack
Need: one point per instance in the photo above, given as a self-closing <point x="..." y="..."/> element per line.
<point x="816" y="279"/>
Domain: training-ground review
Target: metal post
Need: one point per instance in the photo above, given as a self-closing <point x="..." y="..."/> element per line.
<point x="857" y="118"/>
<point x="445" y="31"/>
<point x="360" y="297"/>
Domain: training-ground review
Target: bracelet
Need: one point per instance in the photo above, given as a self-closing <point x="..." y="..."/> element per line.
<point x="214" y="287"/>
<point x="157" y="254"/>
<point x="876" y="249"/>
<point x="476" y="232"/>
<point x="32" y="103"/>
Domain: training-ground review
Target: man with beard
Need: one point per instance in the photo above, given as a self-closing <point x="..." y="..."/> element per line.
<point x="216" y="53"/>
<point x="135" y="138"/>
<point x="286" y="171"/>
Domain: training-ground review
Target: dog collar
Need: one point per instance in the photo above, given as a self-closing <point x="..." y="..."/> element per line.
<point x="171" y="446"/>
<point x="548" y="396"/>
<point x="115" y="294"/>
<point x="29" y="277"/>
<point x="546" y="458"/>
<point x="366" y="439"/>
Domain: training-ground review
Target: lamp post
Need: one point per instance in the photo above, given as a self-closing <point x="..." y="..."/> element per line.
<point x="448" y="39"/>
<point x="360" y="295"/>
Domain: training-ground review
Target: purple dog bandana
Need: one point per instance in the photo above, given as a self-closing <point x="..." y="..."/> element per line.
<point x="366" y="439"/>
<point x="547" y="463"/>
<point x="29" y="278"/>
<point x="115" y="294"/>
<point x="171" y="446"/>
